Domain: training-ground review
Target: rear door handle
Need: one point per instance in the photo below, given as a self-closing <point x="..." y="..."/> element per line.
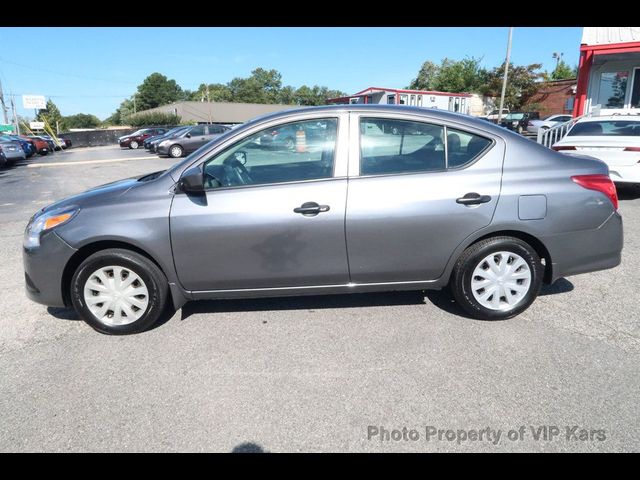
<point x="310" y="209"/>
<point x="473" y="198"/>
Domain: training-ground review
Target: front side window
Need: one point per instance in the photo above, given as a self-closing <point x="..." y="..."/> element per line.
<point x="289" y="152"/>
<point x="196" y="131"/>
<point x="400" y="146"/>
<point x="613" y="88"/>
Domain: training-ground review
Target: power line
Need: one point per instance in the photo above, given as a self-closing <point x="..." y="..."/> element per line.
<point x="31" y="67"/>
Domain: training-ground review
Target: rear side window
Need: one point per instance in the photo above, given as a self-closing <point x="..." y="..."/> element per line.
<point x="197" y="130"/>
<point x="399" y="146"/>
<point x="606" y="128"/>
<point x="390" y="146"/>
<point x="464" y="147"/>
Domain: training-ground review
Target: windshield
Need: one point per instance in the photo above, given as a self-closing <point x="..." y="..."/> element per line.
<point x="606" y="128"/>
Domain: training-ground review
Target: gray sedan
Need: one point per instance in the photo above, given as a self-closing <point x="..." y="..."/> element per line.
<point x="382" y="198"/>
<point x="11" y="152"/>
<point x="190" y="139"/>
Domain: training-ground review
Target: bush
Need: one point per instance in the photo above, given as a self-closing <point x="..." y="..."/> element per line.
<point x="149" y="119"/>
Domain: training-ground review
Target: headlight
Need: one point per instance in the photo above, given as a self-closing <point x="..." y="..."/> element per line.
<point x="46" y="221"/>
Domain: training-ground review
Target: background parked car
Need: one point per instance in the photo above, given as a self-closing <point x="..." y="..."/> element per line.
<point x="517" y="121"/>
<point x="551" y="121"/>
<point x="66" y="143"/>
<point x="493" y="115"/>
<point x="150" y="142"/>
<point x="614" y="139"/>
<point x="11" y="151"/>
<point x="42" y="146"/>
<point x="190" y="140"/>
<point x="27" y="145"/>
<point x="136" y="139"/>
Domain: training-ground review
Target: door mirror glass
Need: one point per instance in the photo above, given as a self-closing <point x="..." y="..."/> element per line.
<point x="188" y="135"/>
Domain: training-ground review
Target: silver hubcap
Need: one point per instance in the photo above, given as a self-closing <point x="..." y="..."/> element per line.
<point x="176" y="151"/>
<point x="116" y="295"/>
<point x="134" y="144"/>
<point x="501" y="280"/>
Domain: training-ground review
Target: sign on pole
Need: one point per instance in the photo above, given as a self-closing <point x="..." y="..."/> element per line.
<point x="6" y="127"/>
<point x="36" y="125"/>
<point x="34" y="101"/>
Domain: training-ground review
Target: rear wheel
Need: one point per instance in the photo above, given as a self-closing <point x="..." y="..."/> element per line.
<point x="497" y="278"/>
<point x="119" y="292"/>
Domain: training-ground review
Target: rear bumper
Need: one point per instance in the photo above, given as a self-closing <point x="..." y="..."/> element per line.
<point x="588" y="250"/>
<point x="43" y="269"/>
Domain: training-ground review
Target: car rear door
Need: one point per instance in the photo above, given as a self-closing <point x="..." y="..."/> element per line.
<point x="414" y="197"/>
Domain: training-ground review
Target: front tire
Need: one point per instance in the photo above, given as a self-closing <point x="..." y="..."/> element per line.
<point x="134" y="145"/>
<point x="497" y="278"/>
<point x="119" y="292"/>
<point x="176" y="151"/>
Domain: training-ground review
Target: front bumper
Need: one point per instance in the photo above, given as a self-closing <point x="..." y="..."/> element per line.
<point x="162" y="150"/>
<point x="587" y="250"/>
<point x="44" y="267"/>
<point x="125" y="143"/>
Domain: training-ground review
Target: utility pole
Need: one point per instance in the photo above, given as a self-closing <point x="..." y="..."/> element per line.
<point x="4" y="107"/>
<point x="134" y="103"/>
<point x="209" y="103"/>
<point x="506" y="71"/>
<point x="15" y="117"/>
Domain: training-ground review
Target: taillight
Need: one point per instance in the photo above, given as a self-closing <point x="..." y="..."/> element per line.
<point x="562" y="147"/>
<point x="600" y="183"/>
<point x="632" y="149"/>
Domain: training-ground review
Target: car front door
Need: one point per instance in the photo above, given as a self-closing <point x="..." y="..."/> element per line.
<point x="194" y="138"/>
<point x="269" y="218"/>
<point x="416" y="195"/>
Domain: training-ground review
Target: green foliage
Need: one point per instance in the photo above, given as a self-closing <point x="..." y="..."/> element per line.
<point x="453" y="76"/>
<point x="157" y="90"/>
<point x="80" y="120"/>
<point x="51" y="115"/>
<point x="153" y="118"/>
<point x="521" y="84"/>
<point x="562" y="72"/>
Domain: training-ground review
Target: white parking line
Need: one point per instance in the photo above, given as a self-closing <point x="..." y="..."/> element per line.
<point x="87" y="162"/>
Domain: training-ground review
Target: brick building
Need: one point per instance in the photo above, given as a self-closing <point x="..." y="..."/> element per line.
<point x="554" y="97"/>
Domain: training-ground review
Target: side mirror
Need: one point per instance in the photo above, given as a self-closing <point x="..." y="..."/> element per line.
<point x="192" y="181"/>
<point x="188" y="135"/>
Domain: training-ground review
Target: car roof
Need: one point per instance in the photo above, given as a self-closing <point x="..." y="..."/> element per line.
<point x="382" y="108"/>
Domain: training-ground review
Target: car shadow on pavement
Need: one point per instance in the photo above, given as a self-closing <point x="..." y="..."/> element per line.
<point x="562" y="285"/>
<point x="248" y="447"/>
<point x="628" y="192"/>
<point x="63" y="313"/>
<point x="315" y="302"/>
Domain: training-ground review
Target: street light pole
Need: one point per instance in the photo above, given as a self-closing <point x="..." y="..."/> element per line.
<point x="506" y="71"/>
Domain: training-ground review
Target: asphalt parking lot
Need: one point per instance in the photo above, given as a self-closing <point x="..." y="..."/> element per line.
<point x="314" y="373"/>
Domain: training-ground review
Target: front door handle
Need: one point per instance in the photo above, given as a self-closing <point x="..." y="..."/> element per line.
<point x="473" y="198"/>
<point x="310" y="209"/>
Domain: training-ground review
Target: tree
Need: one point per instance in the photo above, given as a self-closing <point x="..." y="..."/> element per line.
<point x="262" y="86"/>
<point x="217" y="92"/>
<point x="521" y="84"/>
<point x="451" y="76"/>
<point x="157" y="90"/>
<point x="51" y="115"/>
<point x="563" y="72"/>
<point x="81" y="120"/>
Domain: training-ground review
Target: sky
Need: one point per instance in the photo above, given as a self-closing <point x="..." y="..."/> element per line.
<point x="91" y="70"/>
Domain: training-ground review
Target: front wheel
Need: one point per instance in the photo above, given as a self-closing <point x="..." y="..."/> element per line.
<point x="134" y="145"/>
<point x="497" y="278"/>
<point x="176" y="151"/>
<point x="119" y="292"/>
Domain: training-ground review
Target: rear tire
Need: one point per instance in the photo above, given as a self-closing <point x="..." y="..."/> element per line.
<point x="512" y="293"/>
<point x="127" y="309"/>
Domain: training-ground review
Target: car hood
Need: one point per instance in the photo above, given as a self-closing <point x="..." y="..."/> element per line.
<point x="101" y="194"/>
